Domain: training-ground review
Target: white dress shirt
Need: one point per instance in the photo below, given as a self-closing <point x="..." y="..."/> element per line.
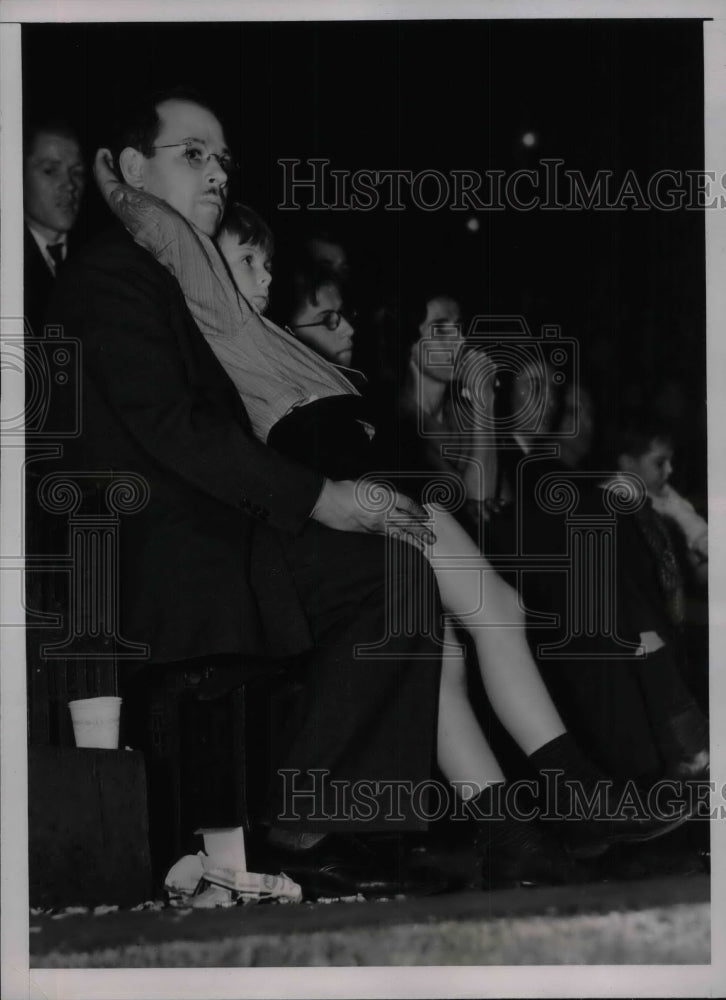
<point x="42" y="243"/>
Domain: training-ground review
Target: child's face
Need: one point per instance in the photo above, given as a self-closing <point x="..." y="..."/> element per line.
<point x="654" y="466"/>
<point x="313" y="322"/>
<point x="250" y="267"/>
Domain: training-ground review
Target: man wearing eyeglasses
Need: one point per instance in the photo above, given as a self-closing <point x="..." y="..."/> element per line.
<point x="241" y="553"/>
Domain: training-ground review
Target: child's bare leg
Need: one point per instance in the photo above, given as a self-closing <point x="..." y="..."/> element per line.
<point x="463" y="753"/>
<point x="481" y="600"/>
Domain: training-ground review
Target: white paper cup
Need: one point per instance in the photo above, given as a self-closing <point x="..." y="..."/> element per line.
<point x="95" y="722"/>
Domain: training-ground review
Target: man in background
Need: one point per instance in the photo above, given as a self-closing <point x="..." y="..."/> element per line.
<point x="54" y="178"/>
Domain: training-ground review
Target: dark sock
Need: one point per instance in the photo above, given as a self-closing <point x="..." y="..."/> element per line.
<point x="516" y="850"/>
<point x="496" y="826"/>
<point x="564" y="768"/>
<point x="563" y="754"/>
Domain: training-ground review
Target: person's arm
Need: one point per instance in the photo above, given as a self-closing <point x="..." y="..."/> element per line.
<point x="130" y="349"/>
<point x="121" y="313"/>
<point x="154" y="224"/>
<point x="185" y="252"/>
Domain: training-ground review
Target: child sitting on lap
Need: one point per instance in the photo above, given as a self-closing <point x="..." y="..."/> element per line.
<point x="271" y="369"/>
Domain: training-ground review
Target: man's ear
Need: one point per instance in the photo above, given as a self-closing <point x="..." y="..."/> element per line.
<point x="132" y="166"/>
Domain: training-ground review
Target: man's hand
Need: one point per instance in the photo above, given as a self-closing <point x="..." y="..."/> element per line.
<point x="371" y="507"/>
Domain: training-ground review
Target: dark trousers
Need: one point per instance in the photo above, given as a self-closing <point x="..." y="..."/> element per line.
<point x="364" y="745"/>
<point x="363" y="728"/>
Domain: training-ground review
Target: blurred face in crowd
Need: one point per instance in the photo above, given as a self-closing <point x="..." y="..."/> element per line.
<point x="439" y="343"/>
<point x="182" y="172"/>
<point x="250" y="266"/>
<point x="321" y="325"/>
<point x="53" y="183"/>
<point x="329" y="255"/>
<point x="654" y="466"/>
<point x="534" y="401"/>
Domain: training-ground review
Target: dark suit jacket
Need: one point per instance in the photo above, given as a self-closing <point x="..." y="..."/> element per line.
<point x="202" y="565"/>
<point x="38" y="283"/>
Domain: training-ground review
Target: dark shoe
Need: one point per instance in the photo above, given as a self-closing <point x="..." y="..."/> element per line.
<point x="345" y="866"/>
<point x="541" y="861"/>
<point x="617" y="813"/>
<point x="625" y="830"/>
<point x="417" y="867"/>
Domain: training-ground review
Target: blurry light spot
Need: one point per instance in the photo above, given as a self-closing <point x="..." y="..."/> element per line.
<point x="472" y="225"/>
<point x="529" y="139"/>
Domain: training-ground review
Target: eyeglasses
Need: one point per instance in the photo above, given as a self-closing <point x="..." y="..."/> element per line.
<point x="198" y="156"/>
<point x="330" y="320"/>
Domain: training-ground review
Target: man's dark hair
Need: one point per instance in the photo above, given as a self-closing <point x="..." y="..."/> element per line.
<point x="140" y="127"/>
<point x="244" y="223"/>
<point x="52" y="125"/>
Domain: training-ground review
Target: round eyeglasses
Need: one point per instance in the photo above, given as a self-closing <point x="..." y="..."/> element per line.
<point x="330" y="320"/>
<point x="198" y="156"/>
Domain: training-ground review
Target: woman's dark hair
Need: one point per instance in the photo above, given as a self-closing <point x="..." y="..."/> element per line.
<point x="244" y="223"/>
<point x="140" y="126"/>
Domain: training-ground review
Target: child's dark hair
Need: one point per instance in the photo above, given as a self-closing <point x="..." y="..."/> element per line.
<point x="244" y="223"/>
<point x="297" y="282"/>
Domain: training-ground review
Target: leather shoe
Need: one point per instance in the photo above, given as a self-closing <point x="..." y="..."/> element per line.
<point x="625" y="829"/>
<point x="542" y="861"/>
<point x="345" y="866"/>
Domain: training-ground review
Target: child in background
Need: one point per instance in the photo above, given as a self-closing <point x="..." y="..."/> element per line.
<point x="653" y="585"/>
<point x="649" y="454"/>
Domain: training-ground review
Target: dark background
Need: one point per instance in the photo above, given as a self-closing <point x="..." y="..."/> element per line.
<point x="617" y="95"/>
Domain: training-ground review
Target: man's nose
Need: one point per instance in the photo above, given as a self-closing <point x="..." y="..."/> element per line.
<point x="265" y="278"/>
<point x="216" y="174"/>
<point x="69" y="182"/>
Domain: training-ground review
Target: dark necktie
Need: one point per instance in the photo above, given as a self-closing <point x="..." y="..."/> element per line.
<point x="56" y="252"/>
